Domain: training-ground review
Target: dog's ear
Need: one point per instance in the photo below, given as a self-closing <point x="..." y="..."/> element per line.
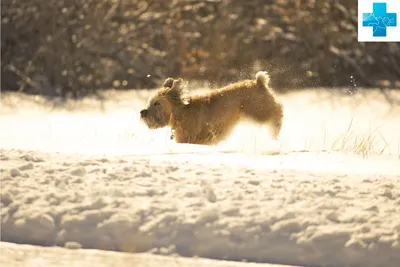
<point x="177" y="90"/>
<point x="168" y="82"/>
<point x="177" y="85"/>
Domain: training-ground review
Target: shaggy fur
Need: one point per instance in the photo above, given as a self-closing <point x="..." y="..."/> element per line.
<point x="210" y="118"/>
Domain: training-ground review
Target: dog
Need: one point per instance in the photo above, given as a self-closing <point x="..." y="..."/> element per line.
<point x="210" y="118"/>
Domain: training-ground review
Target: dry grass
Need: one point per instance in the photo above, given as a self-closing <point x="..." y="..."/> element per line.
<point x="364" y="144"/>
<point x="371" y="143"/>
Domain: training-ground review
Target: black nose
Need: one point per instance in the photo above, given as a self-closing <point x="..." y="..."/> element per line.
<point x="144" y="112"/>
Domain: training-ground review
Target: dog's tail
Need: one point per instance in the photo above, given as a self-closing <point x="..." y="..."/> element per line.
<point x="262" y="79"/>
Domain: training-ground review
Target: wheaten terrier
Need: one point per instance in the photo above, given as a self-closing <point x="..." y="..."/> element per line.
<point x="210" y="118"/>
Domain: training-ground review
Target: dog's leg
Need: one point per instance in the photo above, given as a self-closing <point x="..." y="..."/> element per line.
<point x="269" y="114"/>
<point x="184" y="135"/>
<point x="275" y="122"/>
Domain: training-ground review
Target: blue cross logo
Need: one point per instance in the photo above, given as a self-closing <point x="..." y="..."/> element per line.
<point x="379" y="19"/>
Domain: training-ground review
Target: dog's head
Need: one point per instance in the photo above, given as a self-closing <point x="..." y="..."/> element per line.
<point x="159" y="110"/>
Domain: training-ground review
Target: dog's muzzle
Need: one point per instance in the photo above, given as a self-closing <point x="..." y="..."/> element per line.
<point x="143" y="113"/>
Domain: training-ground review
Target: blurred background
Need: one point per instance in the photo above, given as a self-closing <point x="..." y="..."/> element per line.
<point x="76" y="47"/>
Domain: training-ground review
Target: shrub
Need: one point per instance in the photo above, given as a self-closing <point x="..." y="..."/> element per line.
<point x="55" y="47"/>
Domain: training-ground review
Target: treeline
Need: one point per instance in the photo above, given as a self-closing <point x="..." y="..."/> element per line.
<point x="55" y="47"/>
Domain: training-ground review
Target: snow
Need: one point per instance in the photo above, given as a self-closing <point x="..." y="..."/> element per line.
<point x="95" y="178"/>
<point x="35" y="256"/>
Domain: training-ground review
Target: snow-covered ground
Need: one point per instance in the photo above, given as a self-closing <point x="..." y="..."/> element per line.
<point x="88" y="174"/>
<point x="15" y="255"/>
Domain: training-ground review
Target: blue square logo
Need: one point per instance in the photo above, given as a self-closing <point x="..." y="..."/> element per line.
<point x="378" y="21"/>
